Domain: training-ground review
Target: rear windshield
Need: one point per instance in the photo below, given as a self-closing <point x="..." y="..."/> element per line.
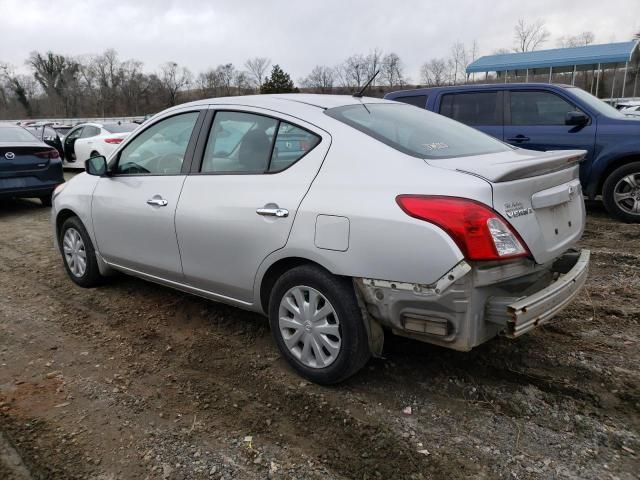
<point x="15" y="134"/>
<point x="416" y="132"/>
<point x="120" y="127"/>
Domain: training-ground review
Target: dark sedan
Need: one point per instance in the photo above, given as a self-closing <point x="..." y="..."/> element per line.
<point x="29" y="168"/>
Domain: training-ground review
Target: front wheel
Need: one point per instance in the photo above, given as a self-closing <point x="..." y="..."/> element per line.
<point x="317" y="324"/>
<point x="621" y="193"/>
<point x="78" y="254"/>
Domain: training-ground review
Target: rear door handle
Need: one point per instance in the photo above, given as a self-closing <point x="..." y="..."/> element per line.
<point x="273" y="212"/>
<point x="518" y="139"/>
<point x="157" y="202"/>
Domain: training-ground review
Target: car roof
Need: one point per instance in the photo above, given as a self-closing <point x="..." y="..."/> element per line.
<point x="286" y="101"/>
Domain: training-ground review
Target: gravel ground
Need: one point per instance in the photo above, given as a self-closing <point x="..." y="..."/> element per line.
<point x="133" y="380"/>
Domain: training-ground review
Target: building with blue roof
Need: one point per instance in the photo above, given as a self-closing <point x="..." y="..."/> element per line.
<point x="596" y="58"/>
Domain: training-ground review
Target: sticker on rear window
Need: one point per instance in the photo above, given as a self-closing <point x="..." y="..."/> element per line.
<point x="435" y="146"/>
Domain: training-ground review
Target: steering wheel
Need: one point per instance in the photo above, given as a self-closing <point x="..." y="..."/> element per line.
<point x="169" y="163"/>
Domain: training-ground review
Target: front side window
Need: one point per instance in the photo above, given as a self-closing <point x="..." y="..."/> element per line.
<point x="538" y="108"/>
<point x="241" y="142"/>
<point x="477" y="108"/>
<point x="75" y="133"/>
<point x="159" y="149"/>
<point x="416" y="131"/>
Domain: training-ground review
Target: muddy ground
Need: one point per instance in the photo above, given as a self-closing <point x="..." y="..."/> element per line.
<point x="133" y="380"/>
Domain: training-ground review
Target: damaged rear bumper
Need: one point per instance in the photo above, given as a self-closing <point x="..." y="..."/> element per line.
<point x="475" y="302"/>
<point x="519" y="315"/>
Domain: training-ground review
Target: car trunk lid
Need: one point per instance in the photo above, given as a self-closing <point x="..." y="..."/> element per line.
<point x="538" y="193"/>
<point x="25" y="157"/>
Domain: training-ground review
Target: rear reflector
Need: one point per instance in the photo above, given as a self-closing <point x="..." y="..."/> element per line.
<point x="113" y="140"/>
<point x="479" y="231"/>
<point x="48" y="154"/>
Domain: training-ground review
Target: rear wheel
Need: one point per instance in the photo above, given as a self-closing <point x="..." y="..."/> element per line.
<point x="94" y="154"/>
<point x="621" y="193"/>
<point x="317" y="324"/>
<point x="78" y="254"/>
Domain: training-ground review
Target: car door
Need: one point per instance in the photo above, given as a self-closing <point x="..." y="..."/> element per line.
<point x="239" y="204"/>
<point x="535" y="119"/>
<point x="84" y="144"/>
<point x="482" y="110"/>
<point x="69" y="143"/>
<point x="133" y="208"/>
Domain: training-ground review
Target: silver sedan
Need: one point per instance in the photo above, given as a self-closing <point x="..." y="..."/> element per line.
<point x="342" y="219"/>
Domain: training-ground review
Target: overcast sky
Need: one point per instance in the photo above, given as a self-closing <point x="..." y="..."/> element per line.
<point x="296" y="34"/>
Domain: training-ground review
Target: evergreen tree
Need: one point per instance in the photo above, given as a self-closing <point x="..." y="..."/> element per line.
<point x="279" y="82"/>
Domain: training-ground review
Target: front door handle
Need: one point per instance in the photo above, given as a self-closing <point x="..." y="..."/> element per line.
<point x="518" y="139"/>
<point x="157" y="202"/>
<point x="273" y="212"/>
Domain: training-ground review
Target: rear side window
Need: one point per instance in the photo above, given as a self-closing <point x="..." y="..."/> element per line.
<point x="416" y="131"/>
<point x="476" y="108"/>
<point x="538" y="108"/>
<point x="90" y="131"/>
<point x="415" y="100"/>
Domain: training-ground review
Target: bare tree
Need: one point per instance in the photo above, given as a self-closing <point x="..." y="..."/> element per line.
<point x="320" y="79"/>
<point x="435" y="72"/>
<point x="257" y="68"/>
<point x="352" y="73"/>
<point x="173" y="79"/>
<point x="457" y="61"/>
<point x="374" y="61"/>
<point x="528" y="37"/>
<point x="581" y="40"/>
<point x="392" y="70"/>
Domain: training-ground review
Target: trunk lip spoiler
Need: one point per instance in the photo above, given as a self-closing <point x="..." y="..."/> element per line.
<point x="547" y="162"/>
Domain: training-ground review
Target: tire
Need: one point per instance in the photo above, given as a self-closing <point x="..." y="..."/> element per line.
<point x="90" y="276"/>
<point x="341" y="345"/>
<point x="624" y="180"/>
<point x="46" y="200"/>
<point x="94" y="154"/>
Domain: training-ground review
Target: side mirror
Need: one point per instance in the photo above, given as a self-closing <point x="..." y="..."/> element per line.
<point x="576" y="118"/>
<point x="96" y="166"/>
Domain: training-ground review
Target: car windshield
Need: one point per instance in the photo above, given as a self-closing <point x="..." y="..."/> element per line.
<point x="596" y="104"/>
<point x="416" y="131"/>
<point x="15" y="134"/>
<point x="120" y="127"/>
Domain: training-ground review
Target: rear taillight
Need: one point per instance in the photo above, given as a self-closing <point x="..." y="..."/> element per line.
<point x="479" y="231"/>
<point x="114" y="140"/>
<point x="48" y="154"/>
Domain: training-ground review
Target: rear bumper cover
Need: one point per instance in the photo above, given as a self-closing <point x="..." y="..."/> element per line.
<point x="472" y="303"/>
<point x="519" y="315"/>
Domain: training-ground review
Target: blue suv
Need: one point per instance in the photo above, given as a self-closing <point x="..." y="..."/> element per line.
<point x="551" y="117"/>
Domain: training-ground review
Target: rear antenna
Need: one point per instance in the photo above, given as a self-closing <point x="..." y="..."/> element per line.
<point x="360" y="94"/>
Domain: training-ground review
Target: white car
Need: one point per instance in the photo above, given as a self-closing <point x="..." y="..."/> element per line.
<point x="92" y="139"/>
<point x="633" y="111"/>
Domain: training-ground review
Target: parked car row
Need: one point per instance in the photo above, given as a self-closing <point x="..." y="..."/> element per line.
<point x="340" y="218"/>
<point x="549" y="117"/>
